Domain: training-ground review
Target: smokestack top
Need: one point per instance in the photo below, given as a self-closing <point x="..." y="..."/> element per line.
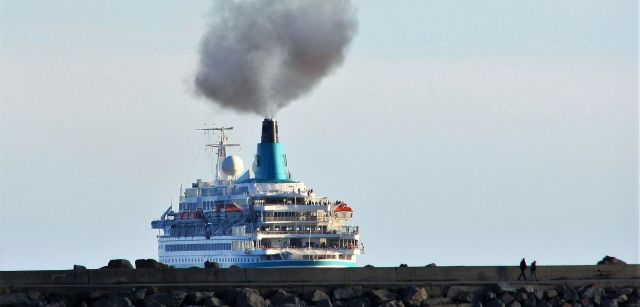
<point x="269" y="131"/>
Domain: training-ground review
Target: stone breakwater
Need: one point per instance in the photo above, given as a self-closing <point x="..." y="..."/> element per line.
<point x="455" y="295"/>
<point x="582" y="286"/>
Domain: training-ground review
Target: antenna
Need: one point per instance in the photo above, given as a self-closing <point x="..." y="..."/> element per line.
<point x="221" y="146"/>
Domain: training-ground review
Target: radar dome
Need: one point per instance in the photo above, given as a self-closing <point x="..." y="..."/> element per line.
<point x="232" y="166"/>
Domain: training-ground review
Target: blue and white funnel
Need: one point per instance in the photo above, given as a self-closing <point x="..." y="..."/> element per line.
<point x="270" y="164"/>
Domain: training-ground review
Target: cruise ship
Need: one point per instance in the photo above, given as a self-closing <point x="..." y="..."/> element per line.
<point x="258" y="218"/>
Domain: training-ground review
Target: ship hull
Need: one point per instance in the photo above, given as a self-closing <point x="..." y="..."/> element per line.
<point x="300" y="264"/>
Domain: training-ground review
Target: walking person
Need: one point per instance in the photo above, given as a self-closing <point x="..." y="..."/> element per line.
<point x="523" y="269"/>
<point x="533" y="269"/>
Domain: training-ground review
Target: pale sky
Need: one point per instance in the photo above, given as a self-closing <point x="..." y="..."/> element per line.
<point x="461" y="132"/>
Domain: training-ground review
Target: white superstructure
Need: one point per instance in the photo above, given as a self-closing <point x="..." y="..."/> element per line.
<point x="256" y="218"/>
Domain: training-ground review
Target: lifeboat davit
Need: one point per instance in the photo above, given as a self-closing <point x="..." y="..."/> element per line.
<point x="343" y="208"/>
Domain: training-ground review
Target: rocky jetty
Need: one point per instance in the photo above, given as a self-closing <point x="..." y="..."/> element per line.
<point x="154" y="284"/>
<point x="455" y="295"/>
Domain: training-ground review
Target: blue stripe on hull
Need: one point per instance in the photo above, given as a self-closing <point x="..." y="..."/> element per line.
<point x="297" y="263"/>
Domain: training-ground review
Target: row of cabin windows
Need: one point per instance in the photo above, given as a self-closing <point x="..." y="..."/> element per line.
<point x="219" y="260"/>
<point x="207" y="205"/>
<point x="197" y="247"/>
<point x="289" y="214"/>
<point x="223" y="191"/>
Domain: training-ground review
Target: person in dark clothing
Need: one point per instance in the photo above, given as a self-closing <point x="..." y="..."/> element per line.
<point x="523" y="269"/>
<point x="533" y="271"/>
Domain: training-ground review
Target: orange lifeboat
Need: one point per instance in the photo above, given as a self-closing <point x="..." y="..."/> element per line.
<point x="190" y="215"/>
<point x="343" y="208"/>
<point x="232" y="208"/>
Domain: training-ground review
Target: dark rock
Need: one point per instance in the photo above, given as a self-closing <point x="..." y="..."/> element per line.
<point x="633" y="302"/>
<point x="456" y="305"/>
<point x="539" y="294"/>
<point x="96" y="294"/>
<point x="571" y="296"/>
<point x="228" y="295"/>
<point x="369" y="266"/>
<point x="250" y="298"/>
<point x="413" y="296"/>
<point x="514" y="304"/>
<point x="234" y="267"/>
<point x="324" y="303"/>
<point x="139" y="293"/>
<point x="403" y="265"/>
<point x="551" y="293"/>
<point x="453" y="291"/>
<point x="359" y="302"/>
<point x="610" y="292"/>
<point x="527" y="289"/>
<point x="543" y="303"/>
<point x="556" y="301"/>
<point x="430" y="265"/>
<point x="519" y="296"/>
<point x="152" y="290"/>
<point x="586" y="293"/>
<point x="150" y="264"/>
<point x="436" y="301"/>
<point x="597" y="295"/>
<point x="198" y="297"/>
<point x="495" y="303"/>
<point x="610" y="260"/>
<point x="609" y="303"/>
<point x="35" y="296"/>
<point x="627" y="291"/>
<point x="113" y="302"/>
<point x="394" y="303"/>
<point x="477" y="304"/>
<point x="436" y="290"/>
<point x="489" y="295"/>
<point x="315" y="296"/>
<point x="380" y="296"/>
<point x="119" y="264"/>
<point x="586" y="302"/>
<point x="507" y="297"/>
<point x="169" y="299"/>
<point x="213" y="302"/>
<point x="17" y="299"/>
<point x="531" y="301"/>
<point x="463" y="297"/>
<point x="502" y="287"/>
<point x="347" y="293"/>
<point x="77" y="267"/>
<point x="622" y="298"/>
<point x="281" y="298"/>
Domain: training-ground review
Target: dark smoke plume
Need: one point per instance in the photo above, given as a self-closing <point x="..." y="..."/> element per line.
<point x="259" y="55"/>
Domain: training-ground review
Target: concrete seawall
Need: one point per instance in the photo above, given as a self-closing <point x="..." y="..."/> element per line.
<point x="354" y="276"/>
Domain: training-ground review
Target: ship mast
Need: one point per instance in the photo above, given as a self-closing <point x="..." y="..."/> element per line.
<point x="221" y="146"/>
